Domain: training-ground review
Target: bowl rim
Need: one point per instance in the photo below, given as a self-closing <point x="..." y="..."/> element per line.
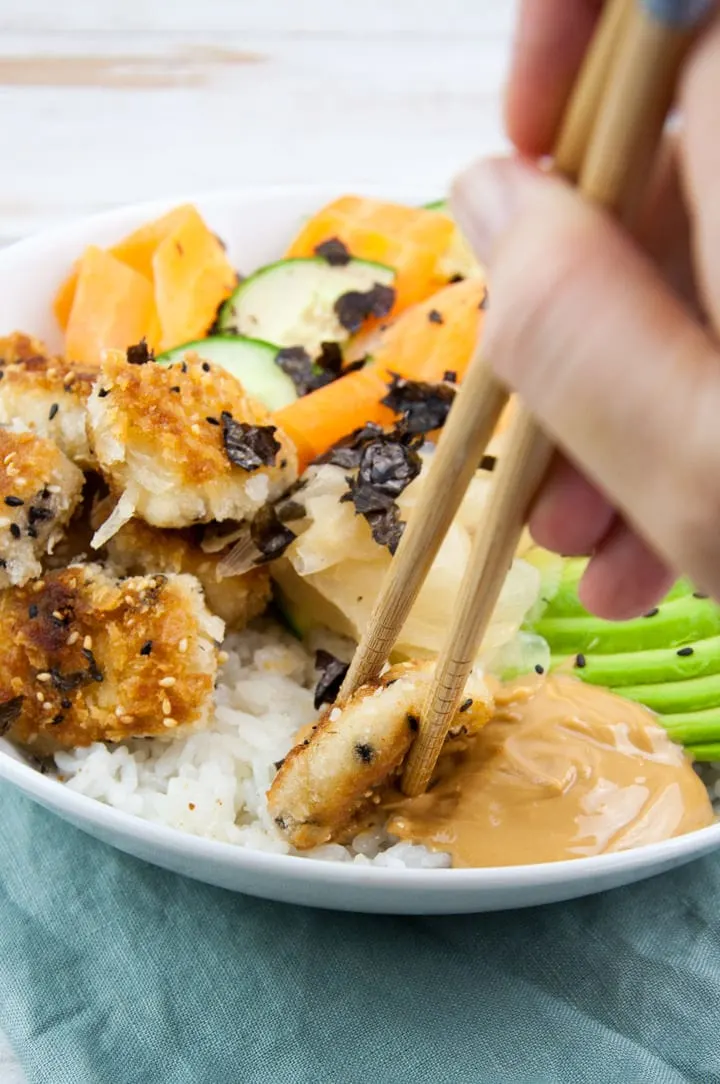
<point x="54" y="795"/>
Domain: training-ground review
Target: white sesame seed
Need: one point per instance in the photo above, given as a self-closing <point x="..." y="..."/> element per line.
<point x="129" y="600"/>
<point x="44" y="676"/>
<point x="57" y="615"/>
<point x="38" y="586"/>
<point x="166" y="706"/>
<point x="194" y="428"/>
<point x="169" y="722"/>
<point x="127" y="719"/>
<point x="54" y="489"/>
<point x="87" y="643"/>
<point x="119" y="711"/>
<point x="183" y="646"/>
<point x="47" y="706"/>
<point x="166" y="682"/>
<point x="73" y="638"/>
<point x="40" y="697"/>
<point x="12" y="472"/>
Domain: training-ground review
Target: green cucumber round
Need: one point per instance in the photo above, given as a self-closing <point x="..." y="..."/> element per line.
<point x="251" y="361"/>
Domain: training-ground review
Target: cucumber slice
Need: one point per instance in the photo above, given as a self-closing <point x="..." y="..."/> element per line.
<point x="437" y="205"/>
<point x="291" y="302"/>
<point x="251" y="361"/>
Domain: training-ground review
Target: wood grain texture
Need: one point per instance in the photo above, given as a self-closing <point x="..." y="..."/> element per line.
<point x="109" y="101"/>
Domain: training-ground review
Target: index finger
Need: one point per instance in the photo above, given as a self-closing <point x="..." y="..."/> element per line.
<point x="550" y="41"/>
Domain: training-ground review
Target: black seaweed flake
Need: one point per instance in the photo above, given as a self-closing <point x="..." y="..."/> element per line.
<point x="364" y="752"/>
<point x="296" y="363"/>
<point x="146" y="648"/>
<point x="10" y="712"/>
<point x="94" y="670"/>
<point x="413" y="722"/>
<point x="330" y="360"/>
<point x="355" y="307"/>
<point x="103" y="392"/>
<point x="249" y="446"/>
<point x="334" y="251"/>
<point x="67" y="683"/>
<point x="269" y="534"/>
<point x="488" y="462"/>
<point x="387" y="466"/>
<point x="423" y="407"/>
<point x="347" y="452"/>
<point x="450" y="376"/>
<point x="139" y="354"/>
<point x="332" y="674"/>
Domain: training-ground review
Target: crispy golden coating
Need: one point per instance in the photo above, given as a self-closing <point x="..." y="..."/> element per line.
<point x="138" y="548"/>
<point x="48" y="394"/>
<point x="39" y="491"/>
<point x="86" y="657"/>
<point x="326" y="779"/>
<point x="160" y="436"/>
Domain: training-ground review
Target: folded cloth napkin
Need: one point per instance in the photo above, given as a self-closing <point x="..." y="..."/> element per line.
<point x="114" y="972"/>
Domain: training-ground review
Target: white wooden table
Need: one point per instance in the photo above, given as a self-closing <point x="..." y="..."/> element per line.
<point x="111" y="101"/>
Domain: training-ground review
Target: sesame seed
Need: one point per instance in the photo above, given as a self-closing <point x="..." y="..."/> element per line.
<point x="176" y="389"/>
<point x="87" y="643"/>
<point x="47" y="706"/>
<point x="65" y="703"/>
<point x="183" y="646"/>
<point x="32" y="611"/>
<point x="129" y="600"/>
<point x="73" y="638"/>
<point x="166" y="682"/>
<point x="53" y="411"/>
<point x="580" y="661"/>
<point x="223" y="657"/>
<point x="146" y="648"/>
<point x="166" y="706"/>
<point x="12" y="471"/>
<point x="44" y="676"/>
<point x="119" y="711"/>
<point x="127" y="719"/>
<point x="38" y="586"/>
<point x="15" y="530"/>
<point x="195" y="428"/>
<point x="169" y="722"/>
<point x="69" y="381"/>
<point x="652" y="613"/>
<point x="57" y="719"/>
<point x="205" y="367"/>
<point x="699" y="594"/>
<point x="685" y="651"/>
<point x="54" y="489"/>
<point x="183" y="367"/>
<point x="435" y="317"/>
<point x="539" y="669"/>
<point x="14" y="502"/>
<point x="103" y="392"/>
<point x="212" y="421"/>
<point x="9" y="458"/>
<point x="40" y="697"/>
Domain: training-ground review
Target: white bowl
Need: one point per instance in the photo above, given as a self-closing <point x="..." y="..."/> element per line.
<point x="256" y="225"/>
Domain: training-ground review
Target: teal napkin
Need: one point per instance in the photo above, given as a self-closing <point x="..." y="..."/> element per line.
<point x="114" y="972"/>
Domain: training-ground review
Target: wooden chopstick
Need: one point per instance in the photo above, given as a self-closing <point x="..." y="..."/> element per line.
<point x="476" y="410"/>
<point x="625" y="137"/>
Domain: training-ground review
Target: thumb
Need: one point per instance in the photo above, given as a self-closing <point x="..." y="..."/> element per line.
<point x="582" y="326"/>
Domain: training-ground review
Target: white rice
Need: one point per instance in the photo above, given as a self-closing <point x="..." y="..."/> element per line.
<point x="213" y="782"/>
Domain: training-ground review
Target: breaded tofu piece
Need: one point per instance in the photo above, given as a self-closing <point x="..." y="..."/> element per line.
<point x="183" y="444"/>
<point x="85" y="657"/>
<point x="138" y="548"/>
<point x="325" y="780"/>
<point x="48" y="394"/>
<point x="39" y="491"/>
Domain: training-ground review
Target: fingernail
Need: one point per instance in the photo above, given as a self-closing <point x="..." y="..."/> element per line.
<point x="486" y="197"/>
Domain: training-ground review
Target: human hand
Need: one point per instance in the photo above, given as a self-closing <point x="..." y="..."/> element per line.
<point x="609" y="342"/>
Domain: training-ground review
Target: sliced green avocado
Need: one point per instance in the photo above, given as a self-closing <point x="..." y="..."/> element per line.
<point x="668" y="660"/>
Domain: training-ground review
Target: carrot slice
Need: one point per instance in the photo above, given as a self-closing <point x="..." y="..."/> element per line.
<point x="192" y="277"/>
<point x="113" y="307"/>
<point x="414" y="347"/>
<point x="139" y="247"/>
<point x="63" y="302"/>
<point x="411" y="240"/>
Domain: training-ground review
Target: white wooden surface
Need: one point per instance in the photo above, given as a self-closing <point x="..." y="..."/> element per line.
<point x="109" y="101"/>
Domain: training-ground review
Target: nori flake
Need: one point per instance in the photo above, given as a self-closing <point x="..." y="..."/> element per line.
<point x="271" y="536"/>
<point x="139" y="354"/>
<point x="355" y="307"/>
<point x="334" y="251"/>
<point x="332" y="675"/>
<point x="10" y="713"/>
<point x="424" y="407"/>
<point x="249" y="446"/>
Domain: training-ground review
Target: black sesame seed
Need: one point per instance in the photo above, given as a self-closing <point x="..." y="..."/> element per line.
<point x="466" y="705"/>
<point x="414" y="723"/>
<point x="183" y="367"/>
<point x="3" y="562"/>
<point x="652" y="613"/>
<point x="364" y="752"/>
<point x="435" y="317"/>
<point x="14" y="502"/>
<point x="206" y="367"/>
<point x="450" y="376"/>
<point x="539" y="669"/>
<point x="176" y="389"/>
<point x="580" y="661"/>
<point x="32" y="531"/>
<point x="65" y="703"/>
<point x="32" y="611"/>
<point x="212" y="421"/>
<point x="684" y="651"/>
<point x="15" y="530"/>
<point x="699" y="594"/>
<point x="146" y="648"/>
<point x="103" y="392"/>
<point x="57" y="719"/>
<point x="457" y="277"/>
<point x="53" y="411"/>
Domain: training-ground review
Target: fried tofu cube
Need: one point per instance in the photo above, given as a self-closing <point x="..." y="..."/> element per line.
<point x="39" y="491"/>
<point x="87" y="657"/>
<point x="47" y="394"/>
<point x="183" y="444"/>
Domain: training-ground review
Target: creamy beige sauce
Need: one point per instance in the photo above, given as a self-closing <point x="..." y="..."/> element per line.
<point x="562" y="770"/>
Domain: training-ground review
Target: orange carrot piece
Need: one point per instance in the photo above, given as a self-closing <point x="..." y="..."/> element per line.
<point x="63" y="302"/>
<point x="192" y="276"/>
<point x="113" y="307"/>
<point x="139" y="247"/>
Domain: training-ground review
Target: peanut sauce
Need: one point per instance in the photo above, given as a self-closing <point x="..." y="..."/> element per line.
<point x="562" y="770"/>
